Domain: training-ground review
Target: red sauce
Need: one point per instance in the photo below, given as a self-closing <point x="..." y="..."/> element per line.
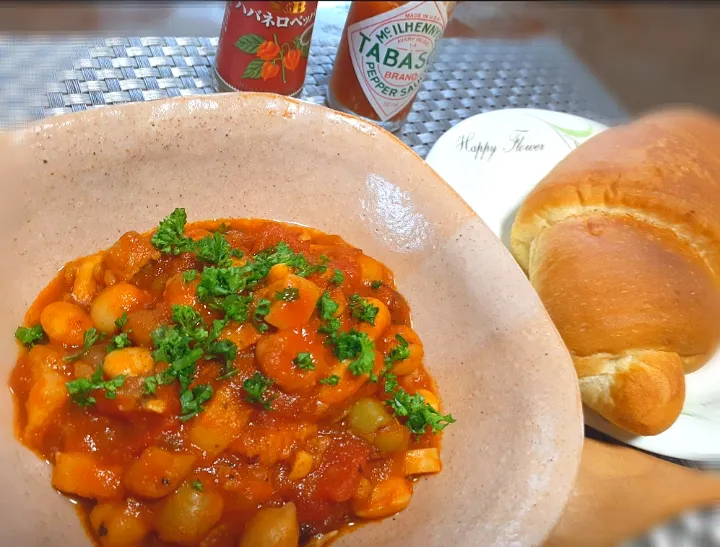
<point x="143" y="476"/>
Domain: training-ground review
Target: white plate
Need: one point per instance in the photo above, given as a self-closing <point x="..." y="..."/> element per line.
<point x="493" y="160"/>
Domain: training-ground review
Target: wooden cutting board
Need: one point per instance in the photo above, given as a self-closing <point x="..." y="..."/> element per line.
<point x="620" y="493"/>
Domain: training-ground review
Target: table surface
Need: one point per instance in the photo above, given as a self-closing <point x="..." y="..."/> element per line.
<point x="48" y="75"/>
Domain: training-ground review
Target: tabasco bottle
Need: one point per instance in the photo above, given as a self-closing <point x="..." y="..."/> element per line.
<point x="264" y="46"/>
<point x="383" y="55"/>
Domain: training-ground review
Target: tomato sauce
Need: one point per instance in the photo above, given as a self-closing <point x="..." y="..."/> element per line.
<point x="283" y="425"/>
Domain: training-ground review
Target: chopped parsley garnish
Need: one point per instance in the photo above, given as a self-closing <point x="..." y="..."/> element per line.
<point x="226" y="351"/>
<point x="358" y="347"/>
<point x="400" y="352"/>
<point x="89" y="338"/>
<point x="327" y="307"/>
<point x="338" y="277"/>
<point x="214" y="249"/>
<point x="190" y="322"/>
<point x="80" y="389"/>
<point x="288" y="294"/>
<point x="391" y="383"/>
<point x="331" y="380"/>
<point x="220" y="282"/>
<point x="191" y="401"/>
<point x="362" y="310"/>
<point x="376" y="284"/>
<point x="170" y="235"/>
<point x="189" y="276"/>
<point x="197" y="485"/>
<point x="121" y="321"/>
<point x="236" y="307"/>
<point x="255" y="388"/>
<point x="29" y="336"/>
<point x="119" y="342"/>
<point x="304" y="361"/>
<point x="262" y="308"/>
<point x="419" y="414"/>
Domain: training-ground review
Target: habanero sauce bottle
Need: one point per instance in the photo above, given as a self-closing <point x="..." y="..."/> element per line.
<point x="264" y="46"/>
<point x="384" y="52"/>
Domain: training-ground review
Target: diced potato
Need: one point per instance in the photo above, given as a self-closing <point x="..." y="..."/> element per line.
<point x="243" y="335"/>
<point x="129" y="361"/>
<point x="289" y="315"/>
<point x="110" y="304"/>
<point x="301" y="466"/>
<point x="142" y="323"/>
<point x="394" y="437"/>
<point x="272" y="527"/>
<point x="65" y="323"/>
<point x="367" y="415"/>
<point x="43" y="358"/>
<point x="85" y="286"/>
<point x="387" y="498"/>
<point x="47" y="396"/>
<point x="187" y="515"/>
<point x="129" y="255"/>
<point x="157" y="472"/>
<point x="370" y="269"/>
<point x="363" y="490"/>
<point x="120" y="524"/>
<point x="422" y="460"/>
<point x="430" y="398"/>
<point x="224" y="419"/>
<point x="382" y="320"/>
<point x="83" y="475"/>
<point x="158" y="406"/>
<point x="177" y="292"/>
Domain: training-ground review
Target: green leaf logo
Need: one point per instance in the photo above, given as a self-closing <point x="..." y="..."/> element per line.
<point x="249" y="43"/>
<point x="577" y="133"/>
<point x="254" y="69"/>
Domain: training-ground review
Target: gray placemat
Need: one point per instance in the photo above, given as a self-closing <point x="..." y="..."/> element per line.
<point x="45" y="78"/>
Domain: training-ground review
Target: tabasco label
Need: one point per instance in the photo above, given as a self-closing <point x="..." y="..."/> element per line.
<point x="264" y="46"/>
<point x="390" y="53"/>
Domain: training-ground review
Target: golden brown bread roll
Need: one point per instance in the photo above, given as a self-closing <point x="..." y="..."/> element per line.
<point x="622" y="243"/>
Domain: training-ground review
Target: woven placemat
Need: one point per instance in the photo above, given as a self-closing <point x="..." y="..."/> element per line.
<point x="467" y="77"/>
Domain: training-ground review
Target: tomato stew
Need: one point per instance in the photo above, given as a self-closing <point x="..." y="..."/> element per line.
<point x="237" y="382"/>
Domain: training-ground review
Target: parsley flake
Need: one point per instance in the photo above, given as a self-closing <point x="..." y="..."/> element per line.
<point x="304" y="361"/>
<point x="419" y="414"/>
<point x="191" y="401"/>
<point x="327" y="307"/>
<point x="331" y="380"/>
<point x="197" y="485"/>
<point x="338" y="277"/>
<point x="79" y="390"/>
<point x="255" y="388"/>
<point x="288" y="294"/>
<point x="29" y="336"/>
<point x="119" y="342"/>
<point x="358" y="347"/>
<point x="89" y="338"/>
<point x="189" y="276"/>
<point x="362" y="310"/>
<point x="376" y="284"/>
<point x="170" y="235"/>
<point x="214" y="249"/>
<point x="262" y="308"/>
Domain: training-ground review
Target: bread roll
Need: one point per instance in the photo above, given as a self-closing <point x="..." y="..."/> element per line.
<point x="622" y="243"/>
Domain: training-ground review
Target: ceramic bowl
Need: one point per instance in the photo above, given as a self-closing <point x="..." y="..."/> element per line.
<point x="73" y="184"/>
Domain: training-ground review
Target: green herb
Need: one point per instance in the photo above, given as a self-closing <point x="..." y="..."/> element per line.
<point x="338" y="277"/>
<point x="391" y="383"/>
<point x="362" y="310"/>
<point x="327" y="307"/>
<point x="226" y="351"/>
<point x="170" y="235"/>
<point x="119" y="342"/>
<point x="89" y="338"/>
<point x="236" y="307"/>
<point x="419" y="414"/>
<point x="189" y="276"/>
<point x="288" y="294"/>
<point x="358" y="347"/>
<point x="376" y="284"/>
<point x="121" y="321"/>
<point x="283" y="254"/>
<point x="191" y="401"/>
<point x="80" y="389"/>
<point x="236" y="253"/>
<point x="214" y="249"/>
<point x="304" y="361"/>
<point x="190" y="322"/>
<point x="255" y="388"/>
<point x="220" y="282"/>
<point x="197" y="485"/>
<point x="400" y="352"/>
<point x="29" y="336"/>
<point x="330" y="328"/>
<point x="331" y="380"/>
<point x="262" y="308"/>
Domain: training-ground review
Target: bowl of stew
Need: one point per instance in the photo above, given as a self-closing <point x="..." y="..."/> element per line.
<point x="246" y="320"/>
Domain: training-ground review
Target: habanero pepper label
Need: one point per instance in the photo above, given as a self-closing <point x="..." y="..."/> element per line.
<point x="390" y="53"/>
